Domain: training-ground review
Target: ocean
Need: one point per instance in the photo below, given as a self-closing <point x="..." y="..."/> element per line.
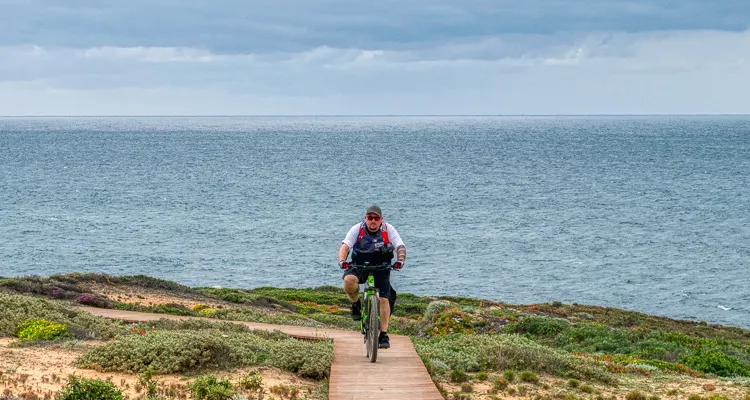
<point x="645" y="213"/>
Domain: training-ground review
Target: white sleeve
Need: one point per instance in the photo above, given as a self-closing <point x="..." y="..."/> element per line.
<point x="394" y="237"/>
<point x="351" y="236"/>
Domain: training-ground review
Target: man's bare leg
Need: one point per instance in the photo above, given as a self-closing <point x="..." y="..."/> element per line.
<point x="385" y="314"/>
<point x="351" y="287"/>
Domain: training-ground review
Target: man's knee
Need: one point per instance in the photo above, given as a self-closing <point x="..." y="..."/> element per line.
<point x="350" y="282"/>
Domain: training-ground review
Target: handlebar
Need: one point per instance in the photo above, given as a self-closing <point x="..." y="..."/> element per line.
<point x="373" y="267"/>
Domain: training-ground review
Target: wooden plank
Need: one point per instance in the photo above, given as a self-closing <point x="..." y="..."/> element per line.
<point x="398" y="373"/>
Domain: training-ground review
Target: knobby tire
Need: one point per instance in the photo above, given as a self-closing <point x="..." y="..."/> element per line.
<point x="373" y="330"/>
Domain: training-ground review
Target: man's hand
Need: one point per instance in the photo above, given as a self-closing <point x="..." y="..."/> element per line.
<point x="343" y="265"/>
<point x="398" y="265"/>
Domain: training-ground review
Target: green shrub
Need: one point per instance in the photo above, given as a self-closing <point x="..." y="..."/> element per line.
<point x="635" y="395"/>
<point x="252" y="381"/>
<point x="435" y="308"/>
<point x="482" y="376"/>
<point x="458" y="376"/>
<point x="500" y="384"/>
<point x="164" y="352"/>
<point x="195" y="324"/>
<point x="529" y="377"/>
<point x="40" y="329"/>
<point x="715" y="362"/>
<point x="89" y="389"/>
<point x="467" y="387"/>
<point x="329" y="295"/>
<point x="695" y="397"/>
<point x="597" y="338"/>
<point x="541" y="326"/>
<point x="144" y="281"/>
<point x="182" y="351"/>
<point x="309" y="360"/>
<point x="479" y="352"/>
<point x="587" y="389"/>
<point x="509" y="375"/>
<point x="573" y="383"/>
<point x="210" y="388"/>
<point x="17" y="309"/>
<point x="230" y="295"/>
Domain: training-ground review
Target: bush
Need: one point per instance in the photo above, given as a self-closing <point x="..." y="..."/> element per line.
<point x="89" y="389"/>
<point x="635" y="395"/>
<point x="529" y="377"/>
<point x="94" y="301"/>
<point x="40" y="329"/>
<point x="17" y="309"/>
<point x="597" y="338"/>
<point x="715" y="362"/>
<point x="252" y="381"/>
<point x="500" y="384"/>
<point x="467" y="387"/>
<point x="164" y="352"/>
<point x="182" y="351"/>
<point x="198" y="325"/>
<point x="210" y="388"/>
<point x="435" y="308"/>
<point x="509" y="375"/>
<point x="541" y="326"/>
<point x="482" y="376"/>
<point x="574" y="383"/>
<point x="587" y="389"/>
<point x="306" y="359"/>
<point x="473" y="353"/>
<point x="458" y="376"/>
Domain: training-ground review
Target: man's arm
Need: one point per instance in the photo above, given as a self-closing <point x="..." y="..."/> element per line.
<point x="401" y="253"/>
<point x="398" y="242"/>
<point x="343" y="252"/>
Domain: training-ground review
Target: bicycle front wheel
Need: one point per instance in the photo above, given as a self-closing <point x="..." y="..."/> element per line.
<point x="373" y="329"/>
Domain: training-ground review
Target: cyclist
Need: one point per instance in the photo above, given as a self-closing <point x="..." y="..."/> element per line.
<point x="372" y="241"/>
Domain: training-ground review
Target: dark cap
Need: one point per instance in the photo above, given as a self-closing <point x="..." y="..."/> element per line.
<point x="373" y="209"/>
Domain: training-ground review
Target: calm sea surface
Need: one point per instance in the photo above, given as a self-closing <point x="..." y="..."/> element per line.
<point x="643" y="213"/>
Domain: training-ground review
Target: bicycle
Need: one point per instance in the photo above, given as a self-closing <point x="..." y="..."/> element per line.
<point x="370" y="322"/>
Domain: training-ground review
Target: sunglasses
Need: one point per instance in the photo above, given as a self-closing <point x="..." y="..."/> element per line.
<point x="373" y="218"/>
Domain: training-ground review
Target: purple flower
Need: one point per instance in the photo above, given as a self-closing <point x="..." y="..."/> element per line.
<point x="56" y="292"/>
<point x="93" y="301"/>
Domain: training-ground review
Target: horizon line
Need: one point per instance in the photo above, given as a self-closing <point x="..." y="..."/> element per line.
<point x="370" y="115"/>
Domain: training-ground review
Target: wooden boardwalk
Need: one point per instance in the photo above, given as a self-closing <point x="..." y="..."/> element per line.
<point x="398" y="374"/>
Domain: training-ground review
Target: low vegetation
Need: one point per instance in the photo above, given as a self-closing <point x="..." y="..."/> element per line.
<point x="178" y="347"/>
<point x="470" y="347"/>
<point x="40" y="318"/>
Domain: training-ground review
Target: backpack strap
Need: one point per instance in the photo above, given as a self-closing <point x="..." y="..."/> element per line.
<point x="383" y="228"/>
<point x="361" y="232"/>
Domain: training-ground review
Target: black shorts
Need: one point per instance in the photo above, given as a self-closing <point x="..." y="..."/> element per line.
<point x="382" y="280"/>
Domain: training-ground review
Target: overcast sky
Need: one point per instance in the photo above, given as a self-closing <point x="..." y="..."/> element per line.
<point x="185" y="57"/>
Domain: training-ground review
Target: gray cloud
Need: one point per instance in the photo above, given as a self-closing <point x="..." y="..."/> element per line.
<point x="340" y="57"/>
<point x="616" y="73"/>
<point x="236" y="26"/>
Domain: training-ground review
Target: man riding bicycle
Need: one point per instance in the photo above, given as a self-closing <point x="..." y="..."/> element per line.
<point x="372" y="241"/>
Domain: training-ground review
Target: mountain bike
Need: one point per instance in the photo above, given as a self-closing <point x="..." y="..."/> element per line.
<point x="370" y="322"/>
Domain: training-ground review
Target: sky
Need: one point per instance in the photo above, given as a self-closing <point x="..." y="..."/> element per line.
<point x="386" y="57"/>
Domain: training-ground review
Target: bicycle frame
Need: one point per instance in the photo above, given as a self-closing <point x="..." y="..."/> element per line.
<point x="370" y="322"/>
<point x="369" y="292"/>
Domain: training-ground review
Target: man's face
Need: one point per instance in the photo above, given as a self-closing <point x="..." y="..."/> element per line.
<point x="373" y="222"/>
